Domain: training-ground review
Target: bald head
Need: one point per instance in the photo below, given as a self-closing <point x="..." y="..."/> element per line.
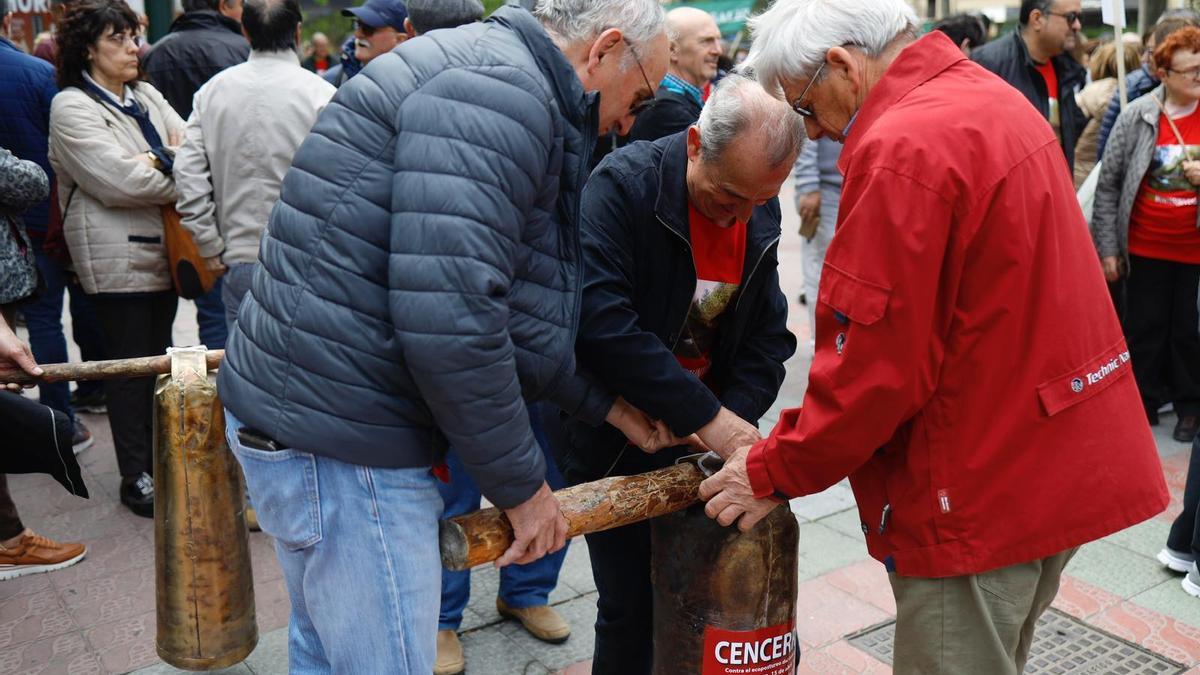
<point x="695" y="45"/>
<point x="741" y="150"/>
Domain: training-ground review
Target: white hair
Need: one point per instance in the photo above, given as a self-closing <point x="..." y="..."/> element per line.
<point x="575" y="21"/>
<point x="740" y="105"/>
<point x="792" y="38"/>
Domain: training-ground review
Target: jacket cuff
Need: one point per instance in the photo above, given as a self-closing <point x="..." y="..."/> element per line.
<point x="698" y="409"/>
<point x="211" y="248"/>
<point x="806" y="187"/>
<point x="742" y="405"/>
<point x="760" y="479"/>
<point x="507" y="491"/>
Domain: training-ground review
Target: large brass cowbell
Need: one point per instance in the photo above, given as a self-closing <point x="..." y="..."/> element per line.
<point x="203" y="584"/>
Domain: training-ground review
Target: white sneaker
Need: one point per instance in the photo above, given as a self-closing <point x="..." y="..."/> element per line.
<point x="1191" y="583"/>
<point x="1176" y="561"/>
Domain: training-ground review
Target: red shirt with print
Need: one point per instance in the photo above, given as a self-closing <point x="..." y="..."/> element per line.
<point x="718" y="254"/>
<point x="1163" y="222"/>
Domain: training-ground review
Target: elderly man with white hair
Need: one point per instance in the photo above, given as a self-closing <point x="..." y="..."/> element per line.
<point x="419" y="280"/>
<point x="970" y="374"/>
<point x="682" y="316"/>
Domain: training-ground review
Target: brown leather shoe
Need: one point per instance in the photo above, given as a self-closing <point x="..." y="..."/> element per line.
<point x="35" y="553"/>
<point x="450" y="660"/>
<point x="541" y="621"/>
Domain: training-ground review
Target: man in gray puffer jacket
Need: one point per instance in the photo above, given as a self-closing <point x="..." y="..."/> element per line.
<point x="420" y="279"/>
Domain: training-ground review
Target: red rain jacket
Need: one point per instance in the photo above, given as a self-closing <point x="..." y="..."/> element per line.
<point x="970" y="374"/>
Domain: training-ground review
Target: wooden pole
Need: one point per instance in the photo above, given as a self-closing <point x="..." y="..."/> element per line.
<point x="483" y="536"/>
<point x="145" y="366"/>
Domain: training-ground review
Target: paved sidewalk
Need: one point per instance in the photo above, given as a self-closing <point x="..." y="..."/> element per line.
<point x="98" y="616"/>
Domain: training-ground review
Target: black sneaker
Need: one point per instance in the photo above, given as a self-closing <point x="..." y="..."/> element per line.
<point x="137" y="492"/>
<point x="1185" y="428"/>
<point x="94" y="402"/>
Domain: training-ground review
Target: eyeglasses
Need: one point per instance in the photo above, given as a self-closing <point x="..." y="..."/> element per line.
<point x="1071" y="17"/>
<point x="802" y="111"/>
<point x="643" y="104"/>
<point x="1193" y="73"/>
<point x="368" y="31"/>
<point x="121" y="39"/>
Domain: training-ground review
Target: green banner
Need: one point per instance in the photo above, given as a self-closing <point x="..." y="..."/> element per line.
<point x="731" y="15"/>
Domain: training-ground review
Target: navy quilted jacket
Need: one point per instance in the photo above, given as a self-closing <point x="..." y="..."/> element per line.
<point x="420" y="274"/>
<point x="28" y="87"/>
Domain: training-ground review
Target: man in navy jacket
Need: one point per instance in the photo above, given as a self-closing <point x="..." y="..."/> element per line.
<point x="682" y="316"/>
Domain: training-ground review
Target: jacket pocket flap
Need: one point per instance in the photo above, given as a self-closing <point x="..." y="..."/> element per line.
<point x="861" y="301"/>
<point x="1080" y="384"/>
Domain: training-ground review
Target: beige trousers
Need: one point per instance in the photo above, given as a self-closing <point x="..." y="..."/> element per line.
<point x="980" y="623"/>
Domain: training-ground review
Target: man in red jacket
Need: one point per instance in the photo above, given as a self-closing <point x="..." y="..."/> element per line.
<point x="970" y="374"/>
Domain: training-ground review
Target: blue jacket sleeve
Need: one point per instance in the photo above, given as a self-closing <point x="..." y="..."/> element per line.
<point x="460" y="201"/>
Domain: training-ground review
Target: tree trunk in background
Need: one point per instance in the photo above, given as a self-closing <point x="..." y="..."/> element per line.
<point x="1148" y="13"/>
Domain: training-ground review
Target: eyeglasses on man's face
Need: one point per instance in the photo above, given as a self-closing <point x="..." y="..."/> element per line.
<point x="646" y="102"/>
<point x="807" y="111"/>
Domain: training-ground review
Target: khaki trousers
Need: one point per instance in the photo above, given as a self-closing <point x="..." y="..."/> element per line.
<point x="980" y="623"/>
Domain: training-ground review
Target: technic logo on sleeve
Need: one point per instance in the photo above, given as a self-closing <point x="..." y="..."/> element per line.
<point x="766" y="651"/>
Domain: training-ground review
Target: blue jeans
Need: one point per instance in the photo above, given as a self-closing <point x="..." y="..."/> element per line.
<point x="43" y="318"/>
<point x="359" y="550"/>
<point x="210" y="315"/>
<point x="520" y="585"/>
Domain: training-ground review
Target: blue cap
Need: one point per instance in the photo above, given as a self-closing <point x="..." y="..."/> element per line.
<point x="380" y="13"/>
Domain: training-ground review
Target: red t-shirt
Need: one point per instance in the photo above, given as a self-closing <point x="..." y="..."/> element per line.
<point x="719" y="254"/>
<point x="1163" y="222"/>
<point x="1051" y="78"/>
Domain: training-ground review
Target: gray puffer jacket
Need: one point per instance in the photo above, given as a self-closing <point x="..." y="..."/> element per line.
<point x="1126" y="160"/>
<point x="420" y="273"/>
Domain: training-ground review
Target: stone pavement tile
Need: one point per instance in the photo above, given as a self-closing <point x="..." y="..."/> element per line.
<point x="490" y="652"/>
<point x="103" y="486"/>
<point x="67" y="653"/>
<point x="836" y="499"/>
<point x="31" y="583"/>
<point x="125" y="645"/>
<point x="824" y="550"/>
<point x="1169" y="599"/>
<point x="1082" y="600"/>
<point x="1117" y="570"/>
<point x="264" y="564"/>
<point x="485" y="583"/>
<point x="107" y="556"/>
<point x="825" y="613"/>
<point x="109" y="598"/>
<point x="34" y="616"/>
<point x="847" y="522"/>
<point x="1160" y="634"/>
<point x="164" y="669"/>
<point x="37" y="500"/>
<point x="839" y="658"/>
<point x="270" y="657"/>
<point x="866" y="580"/>
<point x="91" y="524"/>
<point x="271" y="605"/>
<point x="1175" y="470"/>
<point x="581" y="668"/>
<point x="580" y="614"/>
<point x="858" y="660"/>
<point x="1145" y="538"/>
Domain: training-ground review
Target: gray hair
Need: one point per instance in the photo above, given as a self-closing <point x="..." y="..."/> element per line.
<point x="792" y="38"/>
<point x="740" y="105"/>
<point x="575" y="21"/>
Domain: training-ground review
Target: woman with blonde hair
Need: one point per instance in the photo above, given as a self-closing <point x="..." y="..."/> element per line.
<point x="1093" y="99"/>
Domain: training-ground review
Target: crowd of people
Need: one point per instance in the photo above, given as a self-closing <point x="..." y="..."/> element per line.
<point x="468" y="258"/>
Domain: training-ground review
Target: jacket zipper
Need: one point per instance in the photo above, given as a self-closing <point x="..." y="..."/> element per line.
<point x="754" y="269"/>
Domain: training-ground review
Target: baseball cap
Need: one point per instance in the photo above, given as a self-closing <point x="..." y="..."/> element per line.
<point x="380" y="13"/>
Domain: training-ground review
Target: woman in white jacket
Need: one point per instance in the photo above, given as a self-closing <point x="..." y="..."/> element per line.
<point x="111" y="144"/>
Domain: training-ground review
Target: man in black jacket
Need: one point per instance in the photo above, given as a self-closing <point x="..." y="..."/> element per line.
<point x="695" y="48"/>
<point x="203" y="41"/>
<point x="1034" y="59"/>
<point x="682" y="316"/>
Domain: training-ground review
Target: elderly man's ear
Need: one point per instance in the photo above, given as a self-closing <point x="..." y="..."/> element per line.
<point x="408" y="28"/>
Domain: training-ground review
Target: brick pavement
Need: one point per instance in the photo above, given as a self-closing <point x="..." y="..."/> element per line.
<point x="98" y="616"/>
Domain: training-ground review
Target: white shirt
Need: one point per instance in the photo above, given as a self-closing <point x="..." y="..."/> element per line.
<point x="126" y="99"/>
<point x="246" y="124"/>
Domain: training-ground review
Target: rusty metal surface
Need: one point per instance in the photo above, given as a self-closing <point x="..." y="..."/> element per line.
<point x="705" y="575"/>
<point x="204" y="589"/>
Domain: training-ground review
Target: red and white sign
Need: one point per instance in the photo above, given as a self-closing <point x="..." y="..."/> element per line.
<point x="766" y="651"/>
